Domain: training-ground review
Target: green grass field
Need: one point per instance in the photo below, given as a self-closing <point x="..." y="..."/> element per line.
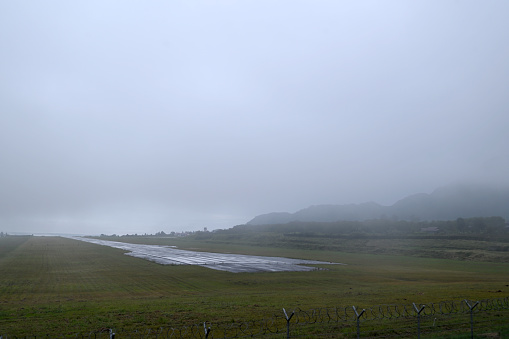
<point x="59" y="286"/>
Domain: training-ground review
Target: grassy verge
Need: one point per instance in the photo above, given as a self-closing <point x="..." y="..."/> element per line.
<point x="60" y="286"/>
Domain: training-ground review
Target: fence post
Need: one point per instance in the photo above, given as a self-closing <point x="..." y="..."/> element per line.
<point x="207" y="330"/>
<point x="471" y="317"/>
<point x="358" y="317"/>
<point x="418" y="320"/>
<point x="288" y="322"/>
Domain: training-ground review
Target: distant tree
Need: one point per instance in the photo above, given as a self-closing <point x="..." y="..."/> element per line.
<point x="461" y="225"/>
<point x="494" y="224"/>
<point x="478" y="225"/>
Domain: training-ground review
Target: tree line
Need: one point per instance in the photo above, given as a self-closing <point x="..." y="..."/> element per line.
<point x="460" y="226"/>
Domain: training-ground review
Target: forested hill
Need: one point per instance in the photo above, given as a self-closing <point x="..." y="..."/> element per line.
<point x="445" y="203"/>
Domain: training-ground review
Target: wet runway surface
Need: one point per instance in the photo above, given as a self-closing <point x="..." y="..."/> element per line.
<point x="218" y="261"/>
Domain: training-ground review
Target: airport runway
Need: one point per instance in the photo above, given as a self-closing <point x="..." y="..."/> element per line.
<point x="235" y="263"/>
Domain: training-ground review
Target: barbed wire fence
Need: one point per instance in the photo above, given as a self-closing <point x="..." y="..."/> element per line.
<point x="431" y="320"/>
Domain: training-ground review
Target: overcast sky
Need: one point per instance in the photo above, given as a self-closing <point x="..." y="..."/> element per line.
<point x="141" y="116"/>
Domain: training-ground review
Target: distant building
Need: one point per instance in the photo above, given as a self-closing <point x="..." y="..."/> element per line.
<point x="205" y="229"/>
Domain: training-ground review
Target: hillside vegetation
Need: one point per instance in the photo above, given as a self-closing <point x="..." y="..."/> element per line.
<point x="478" y="239"/>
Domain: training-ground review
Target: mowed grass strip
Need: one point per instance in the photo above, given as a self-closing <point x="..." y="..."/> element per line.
<point x="48" y="278"/>
<point x="59" y="286"/>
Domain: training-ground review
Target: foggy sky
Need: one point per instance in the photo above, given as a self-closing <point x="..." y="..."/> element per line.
<point x="133" y="117"/>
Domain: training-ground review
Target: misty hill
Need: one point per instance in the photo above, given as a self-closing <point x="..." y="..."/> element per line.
<point x="445" y="203"/>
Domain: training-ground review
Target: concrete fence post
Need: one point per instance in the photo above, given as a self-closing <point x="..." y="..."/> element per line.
<point x="358" y="321"/>
<point x="418" y="319"/>
<point x="207" y="330"/>
<point x="288" y="322"/>
<point x="471" y="307"/>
